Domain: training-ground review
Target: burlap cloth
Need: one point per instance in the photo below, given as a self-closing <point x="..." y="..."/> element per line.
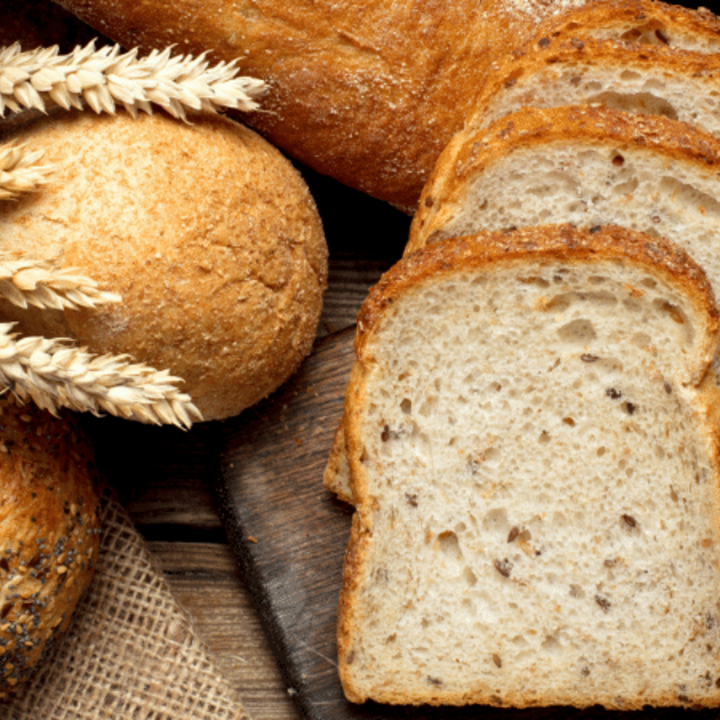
<point x="131" y="652"/>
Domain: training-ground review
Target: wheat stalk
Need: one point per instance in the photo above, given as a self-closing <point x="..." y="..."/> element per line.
<point x="105" y="77"/>
<point x="55" y="373"/>
<point x="20" y="171"/>
<point x="26" y="282"/>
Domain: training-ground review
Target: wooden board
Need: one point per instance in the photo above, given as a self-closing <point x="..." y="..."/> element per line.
<point x="289" y="536"/>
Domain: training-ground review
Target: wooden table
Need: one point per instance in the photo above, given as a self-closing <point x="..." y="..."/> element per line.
<point x="165" y="481"/>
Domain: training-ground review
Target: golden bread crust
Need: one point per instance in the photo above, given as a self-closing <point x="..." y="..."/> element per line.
<point x="208" y="233"/>
<point x="49" y="533"/>
<point x="638" y="22"/>
<point x="370" y="91"/>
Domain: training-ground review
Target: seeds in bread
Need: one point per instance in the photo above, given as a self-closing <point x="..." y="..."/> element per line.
<point x="49" y="533"/>
<point x="206" y="231"/>
<point x="587" y="166"/>
<point x="535" y="477"/>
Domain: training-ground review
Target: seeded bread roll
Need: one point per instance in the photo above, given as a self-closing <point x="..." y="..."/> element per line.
<point x="48" y="533"/>
<point x="207" y="232"/>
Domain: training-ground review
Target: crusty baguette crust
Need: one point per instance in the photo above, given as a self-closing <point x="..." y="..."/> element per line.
<point x="485" y="251"/>
<point x="467" y="155"/>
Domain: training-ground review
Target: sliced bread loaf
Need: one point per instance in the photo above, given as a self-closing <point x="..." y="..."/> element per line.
<point x="535" y="471"/>
<point x="571" y="164"/>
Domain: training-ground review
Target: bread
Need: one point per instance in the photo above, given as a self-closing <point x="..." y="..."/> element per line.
<point x="49" y="533"/>
<point x="534" y="456"/>
<point x="583" y="165"/>
<point x="370" y="91"/>
<point x="366" y="91"/>
<point x="656" y="80"/>
<point x="638" y="23"/>
<point x="208" y="233"/>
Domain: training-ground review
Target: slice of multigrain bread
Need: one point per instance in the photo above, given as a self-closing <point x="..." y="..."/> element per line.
<point x="657" y="80"/>
<point x="534" y="457"/>
<point x="579" y="164"/>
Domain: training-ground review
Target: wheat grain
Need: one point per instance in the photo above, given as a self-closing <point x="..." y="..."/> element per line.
<point x="105" y="77"/>
<point x="26" y="282"/>
<point x="55" y="373"/>
<point x="20" y="171"/>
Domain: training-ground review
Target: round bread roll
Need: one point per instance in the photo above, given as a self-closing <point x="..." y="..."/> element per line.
<point x="207" y="232"/>
<point x="49" y="533"/>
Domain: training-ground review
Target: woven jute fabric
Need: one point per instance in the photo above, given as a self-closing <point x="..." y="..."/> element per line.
<point x="131" y="651"/>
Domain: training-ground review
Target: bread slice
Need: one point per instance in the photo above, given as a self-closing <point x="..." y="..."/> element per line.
<point x="656" y="80"/>
<point x="636" y="23"/>
<point x="534" y="455"/>
<point x="579" y="164"/>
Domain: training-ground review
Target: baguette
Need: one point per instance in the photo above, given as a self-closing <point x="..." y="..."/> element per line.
<point x="535" y="473"/>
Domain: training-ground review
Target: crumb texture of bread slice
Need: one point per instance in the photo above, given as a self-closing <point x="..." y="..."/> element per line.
<point x="663" y="81"/>
<point x="584" y="165"/>
<point x="535" y="478"/>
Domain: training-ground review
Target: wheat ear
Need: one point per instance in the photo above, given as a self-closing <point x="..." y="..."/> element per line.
<point x="55" y="373"/>
<point x="20" y="171"/>
<point x="26" y="282"/>
<point x="105" y="77"/>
